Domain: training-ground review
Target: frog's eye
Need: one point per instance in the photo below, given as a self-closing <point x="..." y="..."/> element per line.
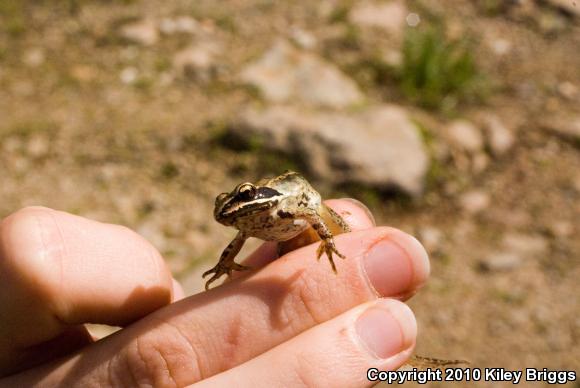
<point x="247" y="191"/>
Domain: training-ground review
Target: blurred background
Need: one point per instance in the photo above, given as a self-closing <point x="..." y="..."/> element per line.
<point x="457" y="121"/>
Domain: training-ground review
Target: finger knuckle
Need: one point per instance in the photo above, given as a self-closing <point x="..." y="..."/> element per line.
<point x="166" y="360"/>
<point x="308" y="295"/>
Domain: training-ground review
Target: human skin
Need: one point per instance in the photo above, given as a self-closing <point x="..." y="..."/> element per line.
<point x="289" y="322"/>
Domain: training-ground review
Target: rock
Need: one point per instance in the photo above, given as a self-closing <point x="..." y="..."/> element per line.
<point x="33" y="57"/>
<point x="143" y="32"/>
<point x="178" y="25"/>
<point x="302" y="38"/>
<point x="570" y="6"/>
<point x="388" y="16"/>
<point x="524" y="244"/>
<point x="576" y="183"/>
<point x="561" y="229"/>
<point x="479" y="162"/>
<point x="388" y="151"/>
<point x="499" y="138"/>
<point x="285" y="73"/>
<point x="198" y="61"/>
<point x="38" y="146"/>
<point x="567" y="89"/>
<point x="413" y="19"/>
<point x="501" y="261"/>
<point x="431" y="238"/>
<point x="551" y="23"/>
<point x="464" y="135"/>
<point x="567" y="128"/>
<point x="474" y="201"/>
<point x="129" y="75"/>
<point x="393" y="58"/>
<point x="500" y="46"/>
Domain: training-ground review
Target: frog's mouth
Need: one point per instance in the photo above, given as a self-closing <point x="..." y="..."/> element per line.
<point x="233" y="211"/>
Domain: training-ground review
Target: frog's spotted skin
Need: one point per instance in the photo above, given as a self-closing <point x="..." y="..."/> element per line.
<point x="276" y="209"/>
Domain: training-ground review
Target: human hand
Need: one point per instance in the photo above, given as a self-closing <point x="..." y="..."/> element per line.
<point x="291" y="322"/>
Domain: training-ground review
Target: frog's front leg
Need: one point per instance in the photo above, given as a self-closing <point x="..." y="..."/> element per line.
<point x="226" y="263"/>
<point x="327" y="245"/>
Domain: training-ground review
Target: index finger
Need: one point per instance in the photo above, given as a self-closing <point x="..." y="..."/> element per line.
<point x="58" y="270"/>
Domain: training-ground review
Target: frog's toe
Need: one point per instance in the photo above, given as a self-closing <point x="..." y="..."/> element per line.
<point x="217" y="272"/>
<point x="210" y="271"/>
<point x="339" y="254"/>
<point x="238" y="267"/>
<point x="332" y="264"/>
<point x="321" y="249"/>
<point x="211" y="280"/>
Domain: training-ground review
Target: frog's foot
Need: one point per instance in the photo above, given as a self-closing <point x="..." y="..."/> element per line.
<point x="222" y="269"/>
<point x="328" y="247"/>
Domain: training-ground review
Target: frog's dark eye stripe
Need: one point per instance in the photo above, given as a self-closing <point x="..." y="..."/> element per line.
<point x="266" y="192"/>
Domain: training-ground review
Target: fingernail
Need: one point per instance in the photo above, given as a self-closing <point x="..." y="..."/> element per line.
<point x="387" y="328"/>
<point x="389" y="268"/>
<point x="363" y="207"/>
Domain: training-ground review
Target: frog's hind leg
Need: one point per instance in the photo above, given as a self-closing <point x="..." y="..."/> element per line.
<point x="226" y="263"/>
<point x="327" y="245"/>
<point x="421" y="362"/>
<point x="335" y="222"/>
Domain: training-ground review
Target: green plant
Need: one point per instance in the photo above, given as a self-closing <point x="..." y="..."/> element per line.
<point x="437" y="72"/>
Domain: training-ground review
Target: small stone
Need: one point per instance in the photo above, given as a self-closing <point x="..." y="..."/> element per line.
<point x="501" y="261"/>
<point x="393" y="58"/>
<point x="285" y="73"/>
<point x="143" y="32"/>
<point x="480" y="162"/>
<point x="526" y="244"/>
<point x="465" y="136"/>
<point x="303" y="38"/>
<point x="501" y="46"/>
<point x="568" y="89"/>
<point x="33" y="57"/>
<point x="198" y="61"/>
<point x="499" y="138"/>
<point x="178" y="25"/>
<point x="413" y="19"/>
<point x="567" y="128"/>
<point x="561" y="229"/>
<point x="129" y="75"/>
<point x="551" y="23"/>
<point x="388" y="16"/>
<point x="38" y="146"/>
<point x="431" y="238"/>
<point x="474" y="201"/>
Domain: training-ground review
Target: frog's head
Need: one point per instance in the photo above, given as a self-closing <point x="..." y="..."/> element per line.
<point x="245" y="201"/>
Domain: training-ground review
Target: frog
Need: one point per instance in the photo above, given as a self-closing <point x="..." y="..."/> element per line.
<point x="276" y="209"/>
<point x="286" y="209"/>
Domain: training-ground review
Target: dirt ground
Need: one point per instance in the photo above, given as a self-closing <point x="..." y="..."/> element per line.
<point x="99" y="126"/>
